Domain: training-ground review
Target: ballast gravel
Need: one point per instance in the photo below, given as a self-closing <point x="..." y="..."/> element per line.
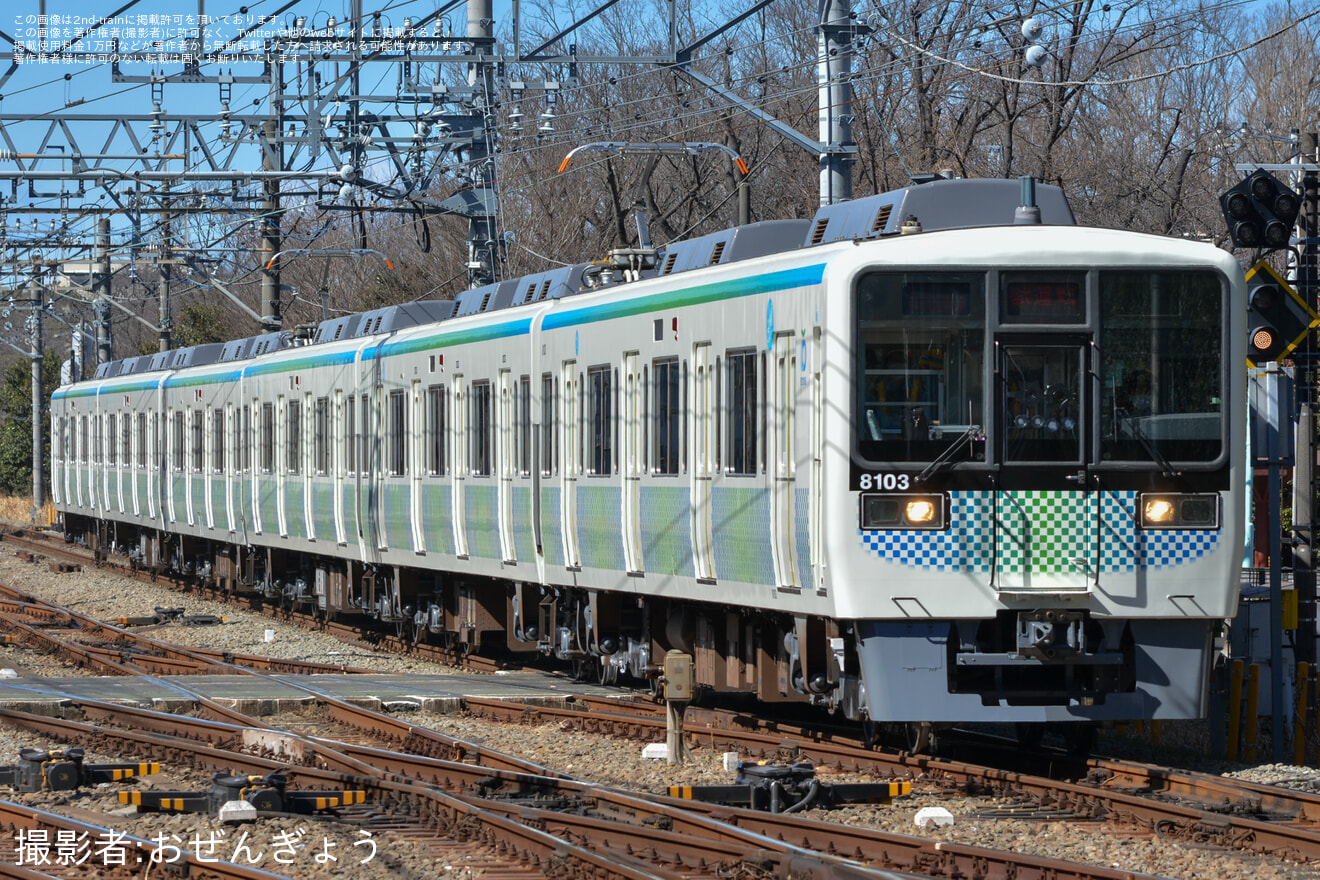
<point x="608" y="761"/>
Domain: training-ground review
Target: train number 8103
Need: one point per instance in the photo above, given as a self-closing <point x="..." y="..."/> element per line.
<point x="885" y="482"/>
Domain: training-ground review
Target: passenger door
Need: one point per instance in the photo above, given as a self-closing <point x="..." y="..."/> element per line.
<point x="1045" y="539"/>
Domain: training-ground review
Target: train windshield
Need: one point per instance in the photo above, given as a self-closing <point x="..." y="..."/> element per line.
<point x="1161" y="366"/>
<point x="1110" y="366"/>
<point x="921" y="346"/>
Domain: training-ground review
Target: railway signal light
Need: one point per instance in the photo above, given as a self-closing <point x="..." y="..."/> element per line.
<point x="1277" y="318"/>
<point x="1261" y="212"/>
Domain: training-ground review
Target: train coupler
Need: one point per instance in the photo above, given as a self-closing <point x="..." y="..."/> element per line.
<point x="265" y="794"/>
<point x="64" y="770"/>
<point x="788" y="788"/>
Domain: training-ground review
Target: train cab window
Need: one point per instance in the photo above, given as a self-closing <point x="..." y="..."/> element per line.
<point x="177" y="417"/>
<point x="1162" y="380"/>
<point x="1042" y="403"/>
<point x="479" y="420"/>
<point x="267" y="438"/>
<point x="321" y="437"/>
<point x="600" y="401"/>
<point x="397" y="433"/>
<point x="742" y="421"/>
<point x="437" y="424"/>
<point x="142" y="440"/>
<point x="920" y="366"/>
<point x="668" y="406"/>
<point x="112" y="438"/>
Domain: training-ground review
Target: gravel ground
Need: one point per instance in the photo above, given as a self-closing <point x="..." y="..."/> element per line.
<point x="109" y="596"/>
<point x="612" y="762"/>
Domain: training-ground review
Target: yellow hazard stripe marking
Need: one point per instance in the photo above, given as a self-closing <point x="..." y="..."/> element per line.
<point x="897" y="789"/>
<point x="681" y="791"/>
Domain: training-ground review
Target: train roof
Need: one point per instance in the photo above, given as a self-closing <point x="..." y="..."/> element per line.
<point x="936" y="205"/>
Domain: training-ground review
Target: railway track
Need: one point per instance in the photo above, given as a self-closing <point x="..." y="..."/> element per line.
<point x="1183" y="805"/>
<point x="43" y="544"/>
<point x="452" y="781"/>
<point x="1192" y="807"/>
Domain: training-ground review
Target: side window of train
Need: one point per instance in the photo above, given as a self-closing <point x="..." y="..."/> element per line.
<point x="523" y="417"/>
<point x="364" y="433"/>
<point x="142" y="440"/>
<point x="600" y="402"/>
<point x="350" y="436"/>
<point x="267" y="438"/>
<point x="177" y="416"/>
<point x="667" y="416"/>
<point x="437" y="423"/>
<point x="741" y="438"/>
<point x="479" y="409"/>
<point x="112" y="438"/>
<point x="321" y="436"/>
<point x="96" y="440"/>
<point x="218" y="440"/>
<point x="397" y="433"/>
<point x="83" y="447"/>
<point x="198" y="437"/>
<point x="293" y="435"/>
<point x="547" y="424"/>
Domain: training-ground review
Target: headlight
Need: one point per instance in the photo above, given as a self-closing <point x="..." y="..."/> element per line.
<point x="903" y="512"/>
<point x="1172" y="511"/>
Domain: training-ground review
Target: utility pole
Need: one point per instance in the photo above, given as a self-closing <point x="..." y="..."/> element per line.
<point x="482" y="247"/>
<point x="1305" y="509"/>
<point x="834" y="80"/>
<point x="38" y="407"/>
<point x="162" y="269"/>
<point x="271" y="160"/>
<point x="101" y="286"/>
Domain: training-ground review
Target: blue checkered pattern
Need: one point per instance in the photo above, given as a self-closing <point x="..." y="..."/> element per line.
<point x="968" y="544"/>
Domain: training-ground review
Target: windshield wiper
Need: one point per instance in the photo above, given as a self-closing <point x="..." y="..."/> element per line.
<point x="944" y="458"/>
<point x="1134" y="426"/>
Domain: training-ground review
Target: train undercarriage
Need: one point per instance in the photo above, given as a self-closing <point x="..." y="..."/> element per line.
<point x="603" y="636"/>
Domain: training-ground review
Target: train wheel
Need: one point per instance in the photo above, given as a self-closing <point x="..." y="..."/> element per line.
<point x="609" y="674"/>
<point x="585" y="669"/>
<point x="870" y="734"/>
<point x="920" y="737"/>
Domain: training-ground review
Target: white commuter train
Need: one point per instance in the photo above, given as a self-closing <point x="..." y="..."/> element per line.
<point x="924" y="458"/>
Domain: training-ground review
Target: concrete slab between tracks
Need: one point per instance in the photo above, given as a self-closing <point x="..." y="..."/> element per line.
<point x="271" y="694"/>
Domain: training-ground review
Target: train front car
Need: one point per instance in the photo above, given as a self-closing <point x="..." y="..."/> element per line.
<point x="1045" y="460"/>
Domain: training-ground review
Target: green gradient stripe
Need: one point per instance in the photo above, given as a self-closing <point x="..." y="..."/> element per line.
<point x="294" y="516"/>
<point x="667" y="530"/>
<point x="481" y="511"/>
<point x="740" y="520"/>
<point x="524" y="544"/>
<point x="323" y="509"/>
<point x="552" y="534"/>
<point x="438" y="517"/>
<point x="220" y="513"/>
<point x="396" y="515"/>
<point x="269" y="502"/>
<point x="600" y="534"/>
<point x="787" y="279"/>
